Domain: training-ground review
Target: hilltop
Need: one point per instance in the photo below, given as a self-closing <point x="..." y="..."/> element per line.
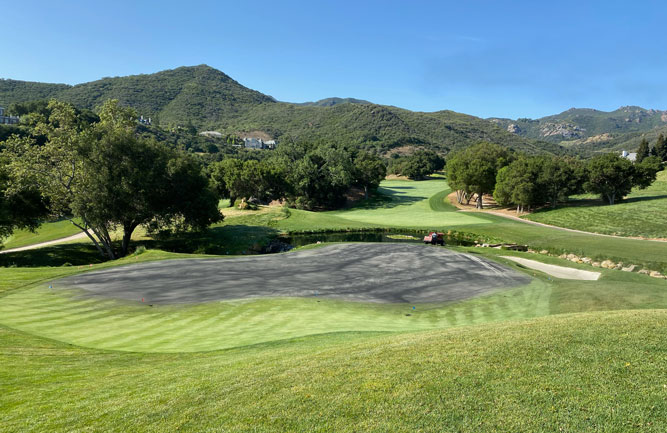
<point x="209" y="99"/>
<point x="586" y="130"/>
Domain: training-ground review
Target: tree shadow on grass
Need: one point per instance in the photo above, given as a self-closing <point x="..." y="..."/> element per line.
<point x="385" y="198"/>
<point x="230" y="239"/>
<point x="227" y="239"/>
<point x="78" y="254"/>
<point x="598" y="202"/>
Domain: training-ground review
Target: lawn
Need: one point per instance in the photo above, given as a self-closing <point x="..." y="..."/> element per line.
<point x="643" y="213"/>
<point x="589" y="372"/>
<point x="46" y="232"/>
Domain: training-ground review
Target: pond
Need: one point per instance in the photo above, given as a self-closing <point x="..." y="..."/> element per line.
<point x="302" y="239"/>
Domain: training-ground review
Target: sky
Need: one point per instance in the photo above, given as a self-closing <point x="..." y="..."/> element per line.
<point x="485" y="58"/>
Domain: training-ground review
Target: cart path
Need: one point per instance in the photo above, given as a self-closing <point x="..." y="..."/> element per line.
<point x="47" y="243"/>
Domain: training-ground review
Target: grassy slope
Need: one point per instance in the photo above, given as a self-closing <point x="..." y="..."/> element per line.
<point x="46" y="232"/>
<point x="641" y="214"/>
<point x="592" y="372"/>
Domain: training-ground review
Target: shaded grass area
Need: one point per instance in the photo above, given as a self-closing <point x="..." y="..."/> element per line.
<point x="590" y="372"/>
<point x="643" y="213"/>
<point x="46" y="232"/>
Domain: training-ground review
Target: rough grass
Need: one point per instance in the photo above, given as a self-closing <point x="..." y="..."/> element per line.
<point x="46" y="232"/>
<point x="642" y="213"/>
<point x="590" y="372"/>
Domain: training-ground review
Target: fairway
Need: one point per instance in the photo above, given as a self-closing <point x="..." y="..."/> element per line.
<point x="405" y="201"/>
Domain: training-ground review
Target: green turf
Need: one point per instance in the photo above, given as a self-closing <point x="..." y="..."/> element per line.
<point x="573" y="373"/>
<point x="94" y="322"/>
<point x="46" y="232"/>
<point x="642" y="213"/>
<point x="407" y="204"/>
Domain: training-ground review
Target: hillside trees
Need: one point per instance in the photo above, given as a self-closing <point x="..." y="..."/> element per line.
<point x="613" y="177"/>
<point x="418" y="165"/>
<point x="643" y="151"/>
<point x="369" y="170"/>
<point x="474" y="170"/>
<point x="533" y="180"/>
<point x="660" y="148"/>
<point x="110" y="179"/>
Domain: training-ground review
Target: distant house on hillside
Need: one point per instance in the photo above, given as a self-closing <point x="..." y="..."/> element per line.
<point x="144" y="121"/>
<point x="7" y="120"/>
<point x="631" y="156"/>
<point x="258" y="143"/>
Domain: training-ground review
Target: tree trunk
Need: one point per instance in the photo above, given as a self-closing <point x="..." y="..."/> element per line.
<point x="366" y="192"/>
<point x="128" y="229"/>
<point x="518" y="207"/>
<point x="480" y="203"/>
<point x="232" y="199"/>
<point x="91" y="237"/>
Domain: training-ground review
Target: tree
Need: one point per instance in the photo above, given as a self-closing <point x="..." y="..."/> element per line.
<point x="613" y="177"/>
<point x="660" y="148"/>
<point x="228" y="180"/>
<point x="474" y="169"/>
<point x="369" y="171"/>
<point x="516" y="184"/>
<point x="20" y="208"/>
<point x="109" y="178"/>
<point x="643" y="151"/>
<point x="559" y="178"/>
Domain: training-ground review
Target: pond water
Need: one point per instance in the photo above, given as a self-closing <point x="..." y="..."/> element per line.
<point x="302" y="239"/>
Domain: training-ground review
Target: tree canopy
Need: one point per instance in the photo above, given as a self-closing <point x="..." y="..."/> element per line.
<point x="108" y="177"/>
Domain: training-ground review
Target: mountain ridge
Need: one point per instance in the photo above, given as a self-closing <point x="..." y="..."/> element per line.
<point x="207" y="98"/>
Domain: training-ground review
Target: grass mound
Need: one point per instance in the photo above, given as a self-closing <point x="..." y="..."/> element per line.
<point x="584" y="372"/>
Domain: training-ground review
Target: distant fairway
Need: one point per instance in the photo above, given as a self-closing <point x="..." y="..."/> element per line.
<point x="410" y="207"/>
<point x="643" y="213"/>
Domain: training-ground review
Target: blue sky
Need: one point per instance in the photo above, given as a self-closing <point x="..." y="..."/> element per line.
<point x="486" y="58"/>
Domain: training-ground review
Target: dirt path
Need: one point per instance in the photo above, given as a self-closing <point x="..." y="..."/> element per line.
<point x="44" y="244"/>
<point x="470" y="208"/>
<point x="556" y="271"/>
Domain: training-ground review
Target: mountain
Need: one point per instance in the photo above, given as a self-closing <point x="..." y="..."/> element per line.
<point x="328" y="102"/>
<point x="587" y="130"/>
<point x="209" y="99"/>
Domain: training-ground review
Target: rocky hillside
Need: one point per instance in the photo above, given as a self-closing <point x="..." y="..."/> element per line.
<point x="586" y="130"/>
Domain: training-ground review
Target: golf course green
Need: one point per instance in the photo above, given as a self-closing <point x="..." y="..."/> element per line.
<point x="550" y="355"/>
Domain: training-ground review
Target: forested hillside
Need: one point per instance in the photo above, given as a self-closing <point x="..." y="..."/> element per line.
<point x="206" y="98"/>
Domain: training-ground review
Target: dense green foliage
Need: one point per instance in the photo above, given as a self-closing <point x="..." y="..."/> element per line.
<point x="418" y="165"/>
<point x="474" y="170"/>
<point x="613" y="177"/>
<point x="308" y="176"/>
<point x="534" y="180"/>
<point x="109" y="178"/>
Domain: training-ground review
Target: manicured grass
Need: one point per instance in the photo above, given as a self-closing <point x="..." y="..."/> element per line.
<point x="577" y="373"/>
<point x="643" y="213"/>
<point x="95" y="322"/>
<point x="46" y="232"/>
<point x="408" y="204"/>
